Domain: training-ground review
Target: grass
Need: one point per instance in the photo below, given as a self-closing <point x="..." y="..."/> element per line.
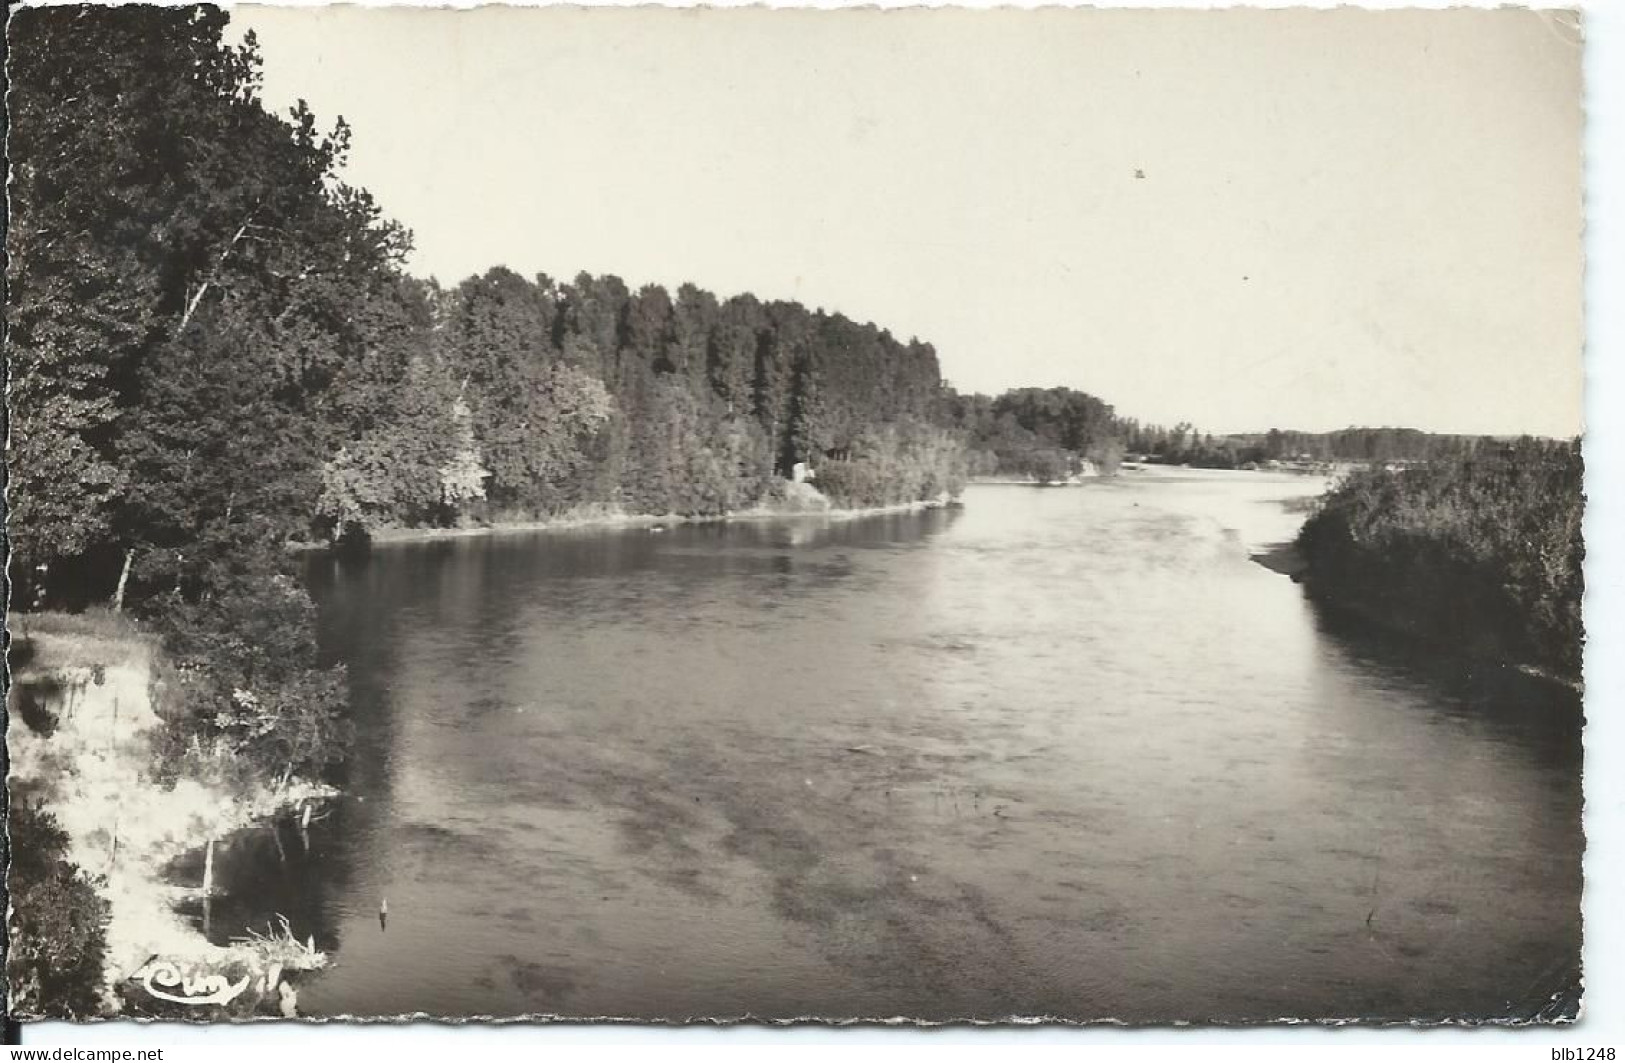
<point x="95" y="637"/>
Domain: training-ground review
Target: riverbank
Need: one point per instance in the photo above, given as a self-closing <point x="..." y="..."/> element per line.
<point x="802" y="503"/>
<point x="86" y="703"/>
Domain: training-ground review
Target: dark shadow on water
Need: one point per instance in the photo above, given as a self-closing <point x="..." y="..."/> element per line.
<point x="1498" y="694"/>
<point x="265" y="872"/>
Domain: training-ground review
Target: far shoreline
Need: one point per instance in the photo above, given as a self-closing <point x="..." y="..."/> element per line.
<point x="387" y="536"/>
<point x="615" y="521"/>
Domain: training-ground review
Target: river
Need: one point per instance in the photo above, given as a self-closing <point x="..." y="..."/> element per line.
<point x="1061" y="752"/>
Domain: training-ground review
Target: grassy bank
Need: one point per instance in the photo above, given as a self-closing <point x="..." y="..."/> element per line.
<point x="1482" y="554"/>
<point x="88" y="702"/>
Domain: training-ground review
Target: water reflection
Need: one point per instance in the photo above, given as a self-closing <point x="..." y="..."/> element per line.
<point x="1522" y="705"/>
<point x="1063" y="752"/>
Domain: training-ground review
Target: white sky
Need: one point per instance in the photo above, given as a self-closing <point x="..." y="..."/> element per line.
<point x="1346" y="217"/>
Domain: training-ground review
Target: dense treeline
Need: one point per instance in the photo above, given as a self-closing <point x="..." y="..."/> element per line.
<point x="1482" y="551"/>
<point x="530" y="398"/>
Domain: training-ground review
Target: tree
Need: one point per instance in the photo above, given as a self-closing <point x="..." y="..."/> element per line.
<point x="595" y="311"/>
<point x="221" y="467"/>
<point x="1481" y="552"/>
<point x="648" y="337"/>
<point x="62" y="486"/>
<point x="779" y="346"/>
<point x="809" y="436"/>
<point x="731" y="356"/>
<point x="397" y="472"/>
<point x="694" y="321"/>
<point x="539" y="438"/>
<point x="462" y="477"/>
<point x="247" y="657"/>
<point x="164" y="221"/>
<point x="1106" y="454"/>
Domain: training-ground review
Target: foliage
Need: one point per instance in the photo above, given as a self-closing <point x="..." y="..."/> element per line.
<point x="192" y="289"/>
<point x="1484" y="550"/>
<point x="1045" y="465"/>
<point x="1044" y="434"/>
<point x="249" y="681"/>
<point x="686" y="456"/>
<point x="895" y="464"/>
<point x="463" y="476"/>
<point x="1184" y="445"/>
<point x="587" y="393"/>
<point x="56" y="926"/>
<point x="220" y="467"/>
<point x="407" y="467"/>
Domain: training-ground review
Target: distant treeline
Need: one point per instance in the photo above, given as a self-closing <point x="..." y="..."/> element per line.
<point x="1184" y="445"/>
<point x="1048" y="434"/>
<point x="1482" y="552"/>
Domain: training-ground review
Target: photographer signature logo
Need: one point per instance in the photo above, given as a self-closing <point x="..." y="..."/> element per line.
<point x="168" y="981"/>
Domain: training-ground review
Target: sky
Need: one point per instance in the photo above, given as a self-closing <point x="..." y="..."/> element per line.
<point x="1244" y="219"/>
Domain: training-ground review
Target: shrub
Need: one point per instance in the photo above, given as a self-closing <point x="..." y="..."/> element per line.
<point x="895" y="464"/>
<point x="246" y="679"/>
<point x="1484" y="550"/>
<point x="56" y="927"/>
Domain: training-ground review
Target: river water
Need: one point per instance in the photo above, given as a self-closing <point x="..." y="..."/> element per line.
<point x="1062" y="752"/>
